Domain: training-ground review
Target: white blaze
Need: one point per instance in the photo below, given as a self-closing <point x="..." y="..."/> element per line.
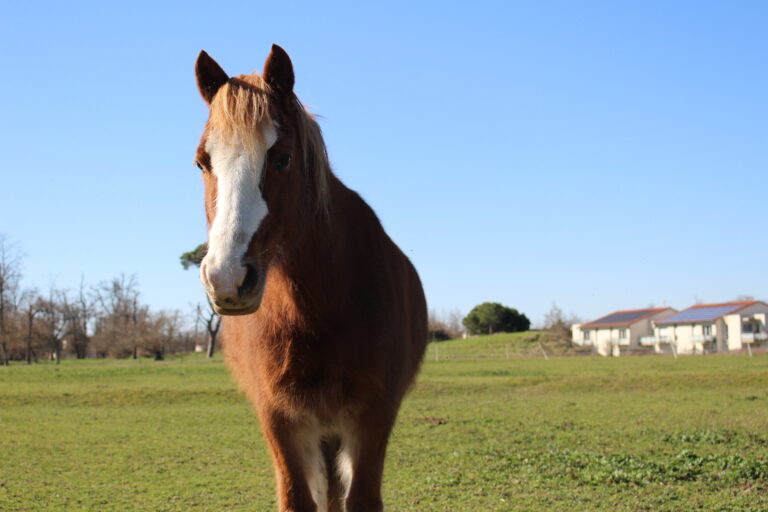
<point x="240" y="209"/>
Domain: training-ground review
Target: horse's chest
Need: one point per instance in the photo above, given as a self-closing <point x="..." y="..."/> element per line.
<point x="304" y="374"/>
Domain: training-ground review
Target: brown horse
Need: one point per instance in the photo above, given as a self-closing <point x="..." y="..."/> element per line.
<point x="325" y="323"/>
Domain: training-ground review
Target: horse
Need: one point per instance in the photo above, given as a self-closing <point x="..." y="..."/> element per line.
<point x="324" y="317"/>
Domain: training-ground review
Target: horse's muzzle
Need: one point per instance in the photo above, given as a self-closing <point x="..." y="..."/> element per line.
<point x="234" y="292"/>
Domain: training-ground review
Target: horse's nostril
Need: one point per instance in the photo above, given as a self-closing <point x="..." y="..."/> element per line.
<point x="250" y="281"/>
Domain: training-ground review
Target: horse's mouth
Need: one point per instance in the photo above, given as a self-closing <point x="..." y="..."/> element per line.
<point x="235" y="311"/>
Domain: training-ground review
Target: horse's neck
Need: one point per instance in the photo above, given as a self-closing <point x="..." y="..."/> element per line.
<point x="312" y="260"/>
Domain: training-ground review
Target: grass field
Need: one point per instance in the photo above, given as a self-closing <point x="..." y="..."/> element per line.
<point x="567" y="434"/>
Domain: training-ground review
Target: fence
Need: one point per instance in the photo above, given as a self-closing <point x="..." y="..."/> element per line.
<point x="443" y="351"/>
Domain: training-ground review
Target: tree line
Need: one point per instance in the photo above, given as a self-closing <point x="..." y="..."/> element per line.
<point x="492" y="317"/>
<point x="485" y="318"/>
<point x="108" y="319"/>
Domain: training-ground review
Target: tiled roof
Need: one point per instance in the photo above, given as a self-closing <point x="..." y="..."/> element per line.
<point x="705" y="312"/>
<point x="624" y="318"/>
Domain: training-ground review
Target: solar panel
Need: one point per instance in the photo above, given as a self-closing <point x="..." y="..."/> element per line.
<point x="700" y="314"/>
<point x="622" y="317"/>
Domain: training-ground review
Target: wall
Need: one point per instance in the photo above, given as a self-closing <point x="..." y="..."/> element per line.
<point x="577" y="335"/>
<point x="733" y="322"/>
<point x="681" y="335"/>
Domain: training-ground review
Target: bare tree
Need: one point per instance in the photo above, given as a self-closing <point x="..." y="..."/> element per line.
<point x="453" y="322"/>
<point x="78" y="313"/>
<point x="436" y="328"/>
<point x="117" y="327"/>
<point x="444" y="326"/>
<point x="559" y="324"/>
<point x="31" y="306"/>
<point x="212" y="322"/>
<point x="53" y="324"/>
<point x="163" y="334"/>
<point x="210" y="318"/>
<point x="10" y="277"/>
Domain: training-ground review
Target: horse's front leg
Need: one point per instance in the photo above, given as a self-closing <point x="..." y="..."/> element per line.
<point x="365" y="452"/>
<point x="298" y="462"/>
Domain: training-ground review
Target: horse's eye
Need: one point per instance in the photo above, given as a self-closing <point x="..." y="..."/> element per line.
<point x="199" y="166"/>
<point x="283" y="161"/>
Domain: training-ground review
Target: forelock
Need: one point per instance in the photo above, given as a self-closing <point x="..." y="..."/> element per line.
<point x="240" y="109"/>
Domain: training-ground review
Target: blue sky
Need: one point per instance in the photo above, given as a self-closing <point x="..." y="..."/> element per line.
<point x="597" y="155"/>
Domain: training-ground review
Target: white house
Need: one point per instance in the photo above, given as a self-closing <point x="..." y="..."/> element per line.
<point x="711" y="328"/>
<point x="619" y="330"/>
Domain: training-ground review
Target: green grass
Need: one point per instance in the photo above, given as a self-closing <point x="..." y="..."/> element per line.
<point x="567" y="434"/>
<point x="501" y="345"/>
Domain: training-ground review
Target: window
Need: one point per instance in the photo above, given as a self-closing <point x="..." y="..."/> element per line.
<point x="622" y="333"/>
<point x="586" y="335"/>
<point x="706" y="330"/>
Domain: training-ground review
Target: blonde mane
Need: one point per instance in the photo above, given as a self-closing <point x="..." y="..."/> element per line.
<point x="241" y="107"/>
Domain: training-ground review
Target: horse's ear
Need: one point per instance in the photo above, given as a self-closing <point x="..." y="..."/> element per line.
<point x="278" y="72"/>
<point x="210" y="76"/>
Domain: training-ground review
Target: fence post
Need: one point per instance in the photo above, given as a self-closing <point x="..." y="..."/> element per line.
<point x="506" y="351"/>
<point x="546" y="357"/>
<point x="437" y="356"/>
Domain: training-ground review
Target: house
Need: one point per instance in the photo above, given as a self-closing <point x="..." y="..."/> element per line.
<point x="711" y="328"/>
<point x="620" y="330"/>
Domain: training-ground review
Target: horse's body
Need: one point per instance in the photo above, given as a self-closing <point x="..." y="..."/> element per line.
<point x="328" y="324"/>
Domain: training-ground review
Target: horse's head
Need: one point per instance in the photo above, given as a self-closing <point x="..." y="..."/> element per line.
<point x="251" y="156"/>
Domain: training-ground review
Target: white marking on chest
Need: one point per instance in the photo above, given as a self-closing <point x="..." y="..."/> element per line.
<point x="240" y="207"/>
